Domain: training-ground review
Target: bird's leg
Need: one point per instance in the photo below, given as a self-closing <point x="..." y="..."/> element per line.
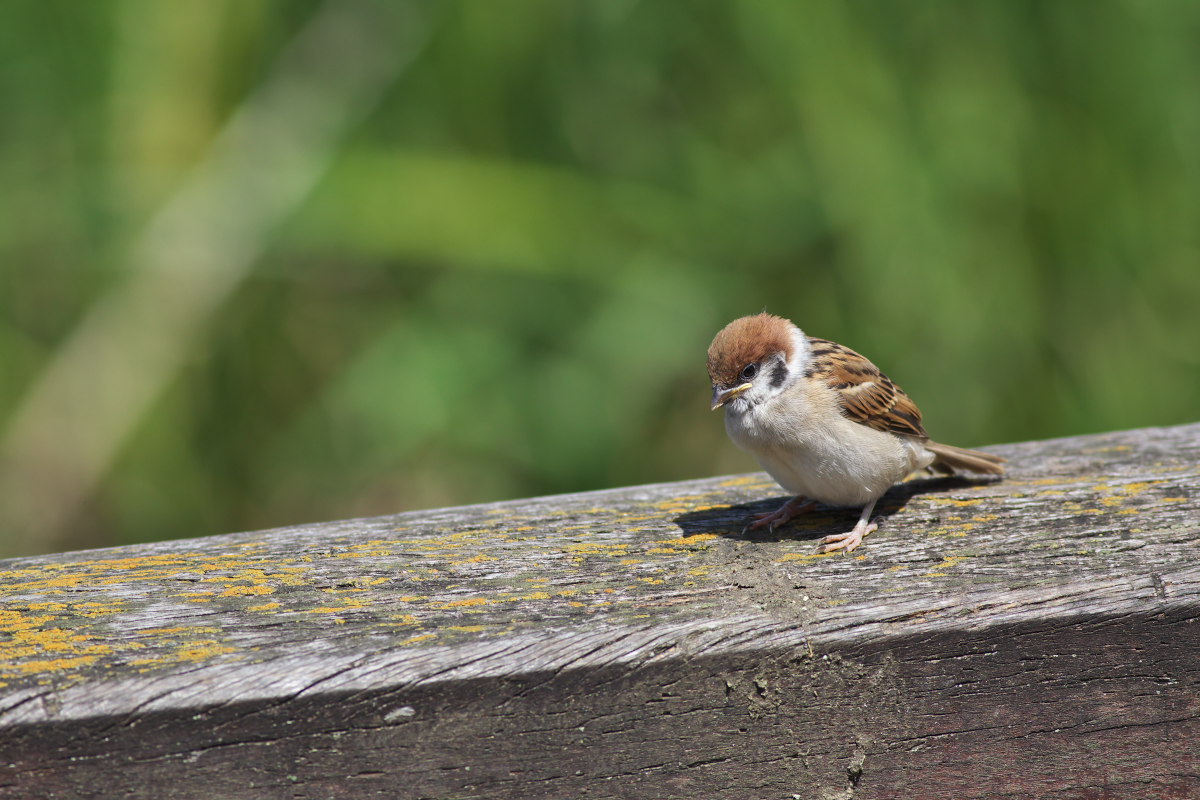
<point x="848" y="541"/>
<point x="790" y="509"/>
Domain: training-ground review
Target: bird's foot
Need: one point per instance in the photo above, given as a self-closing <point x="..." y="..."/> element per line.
<point x="773" y="519"/>
<point x="846" y="542"/>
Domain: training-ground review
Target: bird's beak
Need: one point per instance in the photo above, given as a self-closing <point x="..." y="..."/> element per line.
<point x="723" y="396"/>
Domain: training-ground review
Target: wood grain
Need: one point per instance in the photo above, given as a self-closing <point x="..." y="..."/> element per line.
<point x="1035" y="637"/>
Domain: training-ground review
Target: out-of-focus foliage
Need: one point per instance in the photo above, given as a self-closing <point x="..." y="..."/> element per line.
<point x="461" y="251"/>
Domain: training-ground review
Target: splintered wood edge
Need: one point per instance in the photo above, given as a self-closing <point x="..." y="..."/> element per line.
<point x="181" y="624"/>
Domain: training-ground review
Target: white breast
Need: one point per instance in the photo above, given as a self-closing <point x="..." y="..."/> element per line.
<point x="801" y="438"/>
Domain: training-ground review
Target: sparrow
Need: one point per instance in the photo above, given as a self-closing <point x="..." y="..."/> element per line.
<point x="823" y="421"/>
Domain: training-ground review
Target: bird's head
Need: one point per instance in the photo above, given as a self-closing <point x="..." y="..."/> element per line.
<point x="753" y="359"/>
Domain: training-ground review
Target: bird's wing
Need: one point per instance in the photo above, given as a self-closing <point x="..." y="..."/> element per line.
<point x="865" y="394"/>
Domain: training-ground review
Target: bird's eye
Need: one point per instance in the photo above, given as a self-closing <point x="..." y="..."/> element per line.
<point x="749" y="371"/>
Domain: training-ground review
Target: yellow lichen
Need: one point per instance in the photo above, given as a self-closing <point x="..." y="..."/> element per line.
<point x="414" y="639"/>
<point x="55" y="665"/>
<point x="198" y="651"/>
<point x="950" y="501"/>
<point x="745" y="480"/>
<point x="351" y="605"/>
<point x="945" y="563"/>
<point x="695" y="538"/>
<point x="16" y="621"/>
<point x="477" y="559"/>
<point x="98" y="609"/>
<point x="592" y="549"/>
<point x="465" y="602"/>
<point x="236" y="591"/>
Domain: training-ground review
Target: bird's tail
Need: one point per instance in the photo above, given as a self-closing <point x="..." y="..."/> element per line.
<point x="951" y="459"/>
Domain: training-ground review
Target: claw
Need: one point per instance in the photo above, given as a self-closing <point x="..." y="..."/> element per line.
<point x="773" y="519"/>
<point x="846" y="542"/>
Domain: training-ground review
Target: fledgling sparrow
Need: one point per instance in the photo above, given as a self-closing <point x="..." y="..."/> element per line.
<point x="823" y="421"/>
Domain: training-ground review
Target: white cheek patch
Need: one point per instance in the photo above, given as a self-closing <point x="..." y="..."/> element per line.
<point x="801" y="353"/>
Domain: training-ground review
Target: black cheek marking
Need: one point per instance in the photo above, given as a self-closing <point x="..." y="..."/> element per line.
<point x="778" y="375"/>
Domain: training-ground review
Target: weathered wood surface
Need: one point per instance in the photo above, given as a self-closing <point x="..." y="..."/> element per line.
<point x="1030" y="638"/>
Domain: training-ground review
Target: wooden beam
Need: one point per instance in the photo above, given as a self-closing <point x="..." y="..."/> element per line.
<point x="1036" y="637"/>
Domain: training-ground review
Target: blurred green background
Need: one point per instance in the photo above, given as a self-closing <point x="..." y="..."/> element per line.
<point x="273" y="261"/>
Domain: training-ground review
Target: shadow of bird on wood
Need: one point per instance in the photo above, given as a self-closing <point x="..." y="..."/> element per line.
<point x="732" y="521"/>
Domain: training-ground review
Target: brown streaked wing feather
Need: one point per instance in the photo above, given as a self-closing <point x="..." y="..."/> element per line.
<point x="867" y="396"/>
